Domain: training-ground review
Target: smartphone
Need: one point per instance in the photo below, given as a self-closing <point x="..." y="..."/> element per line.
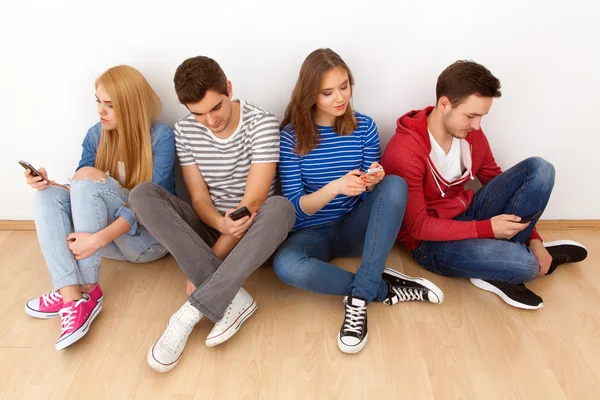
<point x="373" y="170"/>
<point x="34" y="171"/>
<point x="530" y="218"/>
<point x="239" y="213"/>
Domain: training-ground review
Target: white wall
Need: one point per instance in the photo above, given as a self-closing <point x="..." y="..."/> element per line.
<point x="546" y="53"/>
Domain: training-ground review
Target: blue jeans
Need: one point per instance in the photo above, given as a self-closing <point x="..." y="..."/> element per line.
<point x="89" y="206"/>
<point x="523" y="190"/>
<point x="370" y="231"/>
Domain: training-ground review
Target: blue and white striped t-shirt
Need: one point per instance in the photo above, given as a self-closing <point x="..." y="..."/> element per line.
<point x="335" y="156"/>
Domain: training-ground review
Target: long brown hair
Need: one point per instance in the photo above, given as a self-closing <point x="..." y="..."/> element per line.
<point x="300" y="111"/>
<point x="136" y="107"/>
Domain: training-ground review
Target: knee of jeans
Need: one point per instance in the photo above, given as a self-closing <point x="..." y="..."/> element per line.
<point x="84" y="190"/>
<point x="286" y="265"/>
<point x="395" y="188"/>
<point x="152" y="253"/>
<point x="541" y="169"/>
<point x="139" y="193"/>
<point x="50" y="197"/>
<point x="90" y="173"/>
<point x="528" y="271"/>
<point x="283" y="211"/>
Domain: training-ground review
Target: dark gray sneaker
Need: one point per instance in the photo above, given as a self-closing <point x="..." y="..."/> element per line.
<point x="565" y="251"/>
<point x="515" y="295"/>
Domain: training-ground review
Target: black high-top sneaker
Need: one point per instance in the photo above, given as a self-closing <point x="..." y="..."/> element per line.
<point x="353" y="334"/>
<point x="406" y="288"/>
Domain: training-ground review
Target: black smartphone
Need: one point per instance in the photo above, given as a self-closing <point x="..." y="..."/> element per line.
<point x="530" y="218"/>
<point x="239" y="213"/>
<point x="34" y="171"/>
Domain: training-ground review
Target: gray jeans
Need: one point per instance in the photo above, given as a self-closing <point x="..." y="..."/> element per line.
<point x="176" y="226"/>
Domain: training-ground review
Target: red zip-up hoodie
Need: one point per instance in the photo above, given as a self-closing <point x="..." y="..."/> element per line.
<point x="433" y="202"/>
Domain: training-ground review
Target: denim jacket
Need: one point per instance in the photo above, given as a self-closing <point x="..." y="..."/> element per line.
<point x="163" y="159"/>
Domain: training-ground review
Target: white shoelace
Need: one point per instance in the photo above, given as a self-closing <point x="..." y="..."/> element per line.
<point x="355" y="318"/>
<point x="51" y="298"/>
<point x="408" y="294"/>
<point x="177" y="331"/>
<point x="68" y="315"/>
<point x="225" y="319"/>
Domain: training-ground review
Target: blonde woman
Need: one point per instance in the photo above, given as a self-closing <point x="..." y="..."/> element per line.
<point x="89" y="219"/>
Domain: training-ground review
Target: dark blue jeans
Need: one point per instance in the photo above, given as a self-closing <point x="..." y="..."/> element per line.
<point x="523" y="190"/>
<point x="370" y="231"/>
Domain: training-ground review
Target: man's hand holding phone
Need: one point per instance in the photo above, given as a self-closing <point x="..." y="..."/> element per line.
<point x="237" y="222"/>
<point x="505" y="226"/>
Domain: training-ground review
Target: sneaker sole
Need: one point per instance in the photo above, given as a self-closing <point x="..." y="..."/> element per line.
<point x="232" y="330"/>
<point x="42" y="315"/>
<point x="483" y="285"/>
<point x="81" y="332"/>
<point x="352" y="349"/>
<point x="157" y="365"/>
<point x="39" y="314"/>
<point x="428" y="284"/>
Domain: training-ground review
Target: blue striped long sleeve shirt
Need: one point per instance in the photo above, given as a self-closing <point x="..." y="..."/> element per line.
<point x="335" y="156"/>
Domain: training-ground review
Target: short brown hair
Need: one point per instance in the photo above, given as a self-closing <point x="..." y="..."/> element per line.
<point x="300" y="111"/>
<point x="464" y="78"/>
<point x="197" y="75"/>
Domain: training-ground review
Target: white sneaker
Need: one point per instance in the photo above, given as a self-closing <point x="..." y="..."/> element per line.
<point x="164" y="355"/>
<point x="241" y="308"/>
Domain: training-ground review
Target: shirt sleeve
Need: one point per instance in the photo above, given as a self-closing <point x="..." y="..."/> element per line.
<point x="163" y="159"/>
<point x="372" y="146"/>
<point x="183" y="152"/>
<point x="265" y="140"/>
<point x="89" y="148"/>
<point x="290" y="173"/>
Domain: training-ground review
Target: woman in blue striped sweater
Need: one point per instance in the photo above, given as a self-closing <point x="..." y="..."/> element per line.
<point x="326" y="150"/>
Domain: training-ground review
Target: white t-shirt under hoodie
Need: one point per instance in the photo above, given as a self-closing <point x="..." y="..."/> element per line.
<point x="449" y="165"/>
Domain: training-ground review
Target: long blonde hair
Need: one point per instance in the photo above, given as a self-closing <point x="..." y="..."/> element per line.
<point x="136" y="107"/>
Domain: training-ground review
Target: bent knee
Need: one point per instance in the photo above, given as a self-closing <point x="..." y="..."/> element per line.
<point x="541" y="168"/>
<point x="286" y="266"/>
<point x="90" y="173"/>
<point x="50" y="197"/>
<point x="395" y="188"/>
<point x="526" y="271"/>
<point x="283" y="210"/>
<point x="141" y="191"/>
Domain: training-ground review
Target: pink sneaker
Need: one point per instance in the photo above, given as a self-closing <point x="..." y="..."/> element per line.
<point x="46" y="306"/>
<point x="96" y="293"/>
<point x="49" y="304"/>
<point x="75" y="319"/>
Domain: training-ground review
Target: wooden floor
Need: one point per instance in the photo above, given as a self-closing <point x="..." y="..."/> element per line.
<point x="473" y="346"/>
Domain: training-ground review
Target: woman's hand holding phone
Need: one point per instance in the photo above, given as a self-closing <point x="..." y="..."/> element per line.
<point x="37" y="182"/>
<point x="372" y="179"/>
<point x="350" y="184"/>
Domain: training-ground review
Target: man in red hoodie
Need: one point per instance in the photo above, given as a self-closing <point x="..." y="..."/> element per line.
<point x="488" y="236"/>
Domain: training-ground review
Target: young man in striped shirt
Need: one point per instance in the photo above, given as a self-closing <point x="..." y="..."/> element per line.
<point x="228" y="150"/>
